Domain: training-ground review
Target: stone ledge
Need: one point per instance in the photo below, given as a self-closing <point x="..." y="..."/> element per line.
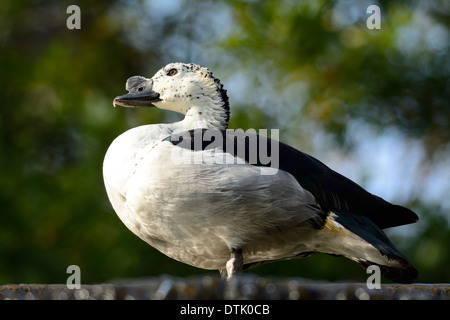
<point x="214" y="288"/>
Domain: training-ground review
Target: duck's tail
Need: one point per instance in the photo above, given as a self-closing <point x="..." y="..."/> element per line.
<point x="361" y="240"/>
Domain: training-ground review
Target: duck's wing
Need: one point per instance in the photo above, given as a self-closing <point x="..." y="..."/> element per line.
<point x="332" y="191"/>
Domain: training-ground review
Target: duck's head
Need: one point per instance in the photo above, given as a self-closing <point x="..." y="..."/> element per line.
<point x="186" y="88"/>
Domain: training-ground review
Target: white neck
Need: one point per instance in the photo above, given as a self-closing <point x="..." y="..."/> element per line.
<point x="210" y="116"/>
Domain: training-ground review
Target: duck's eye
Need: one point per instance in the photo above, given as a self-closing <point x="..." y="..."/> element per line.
<point x="172" y="72"/>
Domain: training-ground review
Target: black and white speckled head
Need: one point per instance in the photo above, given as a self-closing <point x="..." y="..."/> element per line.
<point x="182" y="87"/>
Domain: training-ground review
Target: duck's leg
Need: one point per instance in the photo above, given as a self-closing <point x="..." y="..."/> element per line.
<point x="235" y="264"/>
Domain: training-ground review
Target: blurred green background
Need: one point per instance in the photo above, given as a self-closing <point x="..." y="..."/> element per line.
<point x="372" y="104"/>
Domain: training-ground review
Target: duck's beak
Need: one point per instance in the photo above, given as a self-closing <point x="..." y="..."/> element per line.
<point x="140" y="93"/>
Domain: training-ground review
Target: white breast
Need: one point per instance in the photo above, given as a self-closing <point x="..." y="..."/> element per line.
<point x="178" y="206"/>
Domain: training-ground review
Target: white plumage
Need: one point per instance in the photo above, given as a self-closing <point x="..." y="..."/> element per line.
<point x="200" y="213"/>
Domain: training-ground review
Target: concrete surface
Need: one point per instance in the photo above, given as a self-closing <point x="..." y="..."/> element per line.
<point x="208" y="287"/>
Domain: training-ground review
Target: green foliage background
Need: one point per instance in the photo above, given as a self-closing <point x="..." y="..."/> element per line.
<point x="307" y="64"/>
